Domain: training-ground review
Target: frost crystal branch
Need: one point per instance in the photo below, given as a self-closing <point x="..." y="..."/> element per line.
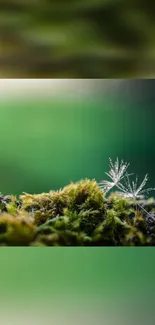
<point x="116" y="174"/>
<point x="120" y="178"/>
<point x="132" y="190"/>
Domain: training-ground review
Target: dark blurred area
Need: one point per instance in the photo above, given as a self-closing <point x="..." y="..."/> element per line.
<point x="77" y="38"/>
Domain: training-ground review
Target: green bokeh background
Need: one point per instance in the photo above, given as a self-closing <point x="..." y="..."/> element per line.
<point x="46" y="143"/>
<point x="100" y="283"/>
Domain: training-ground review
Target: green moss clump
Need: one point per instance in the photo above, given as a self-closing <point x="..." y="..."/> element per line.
<point x="77" y="215"/>
<point x="16" y="230"/>
<point x="8" y="203"/>
<point x="84" y="199"/>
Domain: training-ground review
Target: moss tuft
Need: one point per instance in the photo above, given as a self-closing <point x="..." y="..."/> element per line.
<point x="16" y="230"/>
<point x="77" y="215"/>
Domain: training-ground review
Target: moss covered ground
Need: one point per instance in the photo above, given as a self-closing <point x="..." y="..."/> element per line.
<point x="77" y="215"/>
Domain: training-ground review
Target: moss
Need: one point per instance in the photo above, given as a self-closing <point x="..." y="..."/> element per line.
<point x="8" y="203"/>
<point x="44" y="206"/>
<point x="77" y="215"/>
<point x="16" y="230"/>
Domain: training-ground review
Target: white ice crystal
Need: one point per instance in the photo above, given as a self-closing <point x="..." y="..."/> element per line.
<point x="116" y="174"/>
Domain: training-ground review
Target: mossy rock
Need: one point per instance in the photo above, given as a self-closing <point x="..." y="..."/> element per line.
<point x="76" y="215"/>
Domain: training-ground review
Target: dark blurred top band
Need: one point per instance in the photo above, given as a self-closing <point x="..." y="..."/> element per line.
<point x="77" y="39"/>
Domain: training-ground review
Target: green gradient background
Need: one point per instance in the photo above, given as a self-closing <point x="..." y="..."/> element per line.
<point x="80" y="271"/>
<point x="44" y="144"/>
<point x="104" y="283"/>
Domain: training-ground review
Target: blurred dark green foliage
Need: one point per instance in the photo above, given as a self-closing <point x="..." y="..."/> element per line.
<point x="79" y="39"/>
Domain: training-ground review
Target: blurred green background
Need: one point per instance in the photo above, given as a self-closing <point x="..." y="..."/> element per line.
<point x="77" y="39"/>
<point x="105" y="286"/>
<point x="47" y="141"/>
